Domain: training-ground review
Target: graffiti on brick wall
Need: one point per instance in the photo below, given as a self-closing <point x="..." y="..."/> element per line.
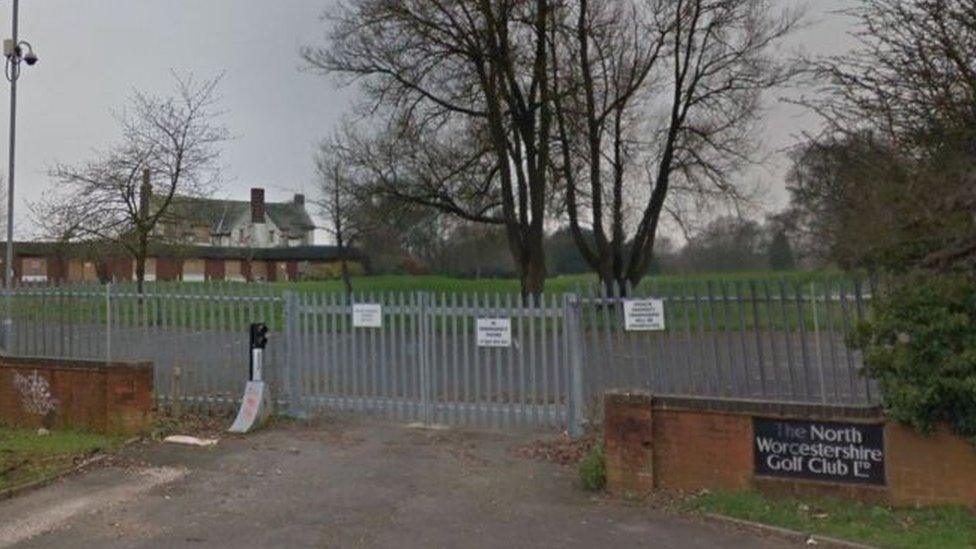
<point x="35" y="393"/>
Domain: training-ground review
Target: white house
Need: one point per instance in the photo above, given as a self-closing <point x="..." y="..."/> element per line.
<point x="238" y="224"/>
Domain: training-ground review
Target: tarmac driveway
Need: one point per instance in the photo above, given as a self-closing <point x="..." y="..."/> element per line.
<point x="348" y="483"/>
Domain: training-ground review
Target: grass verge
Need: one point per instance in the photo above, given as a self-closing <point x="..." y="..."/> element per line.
<point x="872" y="524"/>
<point x="657" y="284"/>
<point x="27" y="457"/>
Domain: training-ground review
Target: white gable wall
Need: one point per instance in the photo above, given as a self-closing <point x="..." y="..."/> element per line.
<point x="245" y="234"/>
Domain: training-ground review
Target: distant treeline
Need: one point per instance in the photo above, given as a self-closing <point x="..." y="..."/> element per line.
<point x="725" y="244"/>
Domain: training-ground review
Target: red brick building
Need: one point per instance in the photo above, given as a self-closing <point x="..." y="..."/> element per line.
<point x="199" y="239"/>
<point x="57" y="262"/>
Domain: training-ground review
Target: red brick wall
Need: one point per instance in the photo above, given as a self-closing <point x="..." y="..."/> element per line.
<point x="691" y="444"/>
<point x="18" y="268"/>
<point x="628" y="443"/>
<point x="113" y="398"/>
<point x="215" y="269"/>
<point x="694" y="450"/>
<point x="925" y="470"/>
<point x="292" y="270"/>
<point x="168" y="269"/>
<point x="128" y="398"/>
<point x="57" y="269"/>
<point x="120" y="269"/>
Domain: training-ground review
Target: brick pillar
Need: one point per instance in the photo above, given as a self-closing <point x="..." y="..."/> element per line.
<point x="628" y="442"/>
<point x="129" y="397"/>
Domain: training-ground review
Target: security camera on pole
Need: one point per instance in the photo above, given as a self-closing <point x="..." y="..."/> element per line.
<point x="15" y="51"/>
<point x="254" y="405"/>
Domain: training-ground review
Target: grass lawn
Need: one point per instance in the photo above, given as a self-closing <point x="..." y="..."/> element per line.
<point x="554" y="285"/>
<point x="26" y="456"/>
<point x="782" y="300"/>
<point x="872" y="524"/>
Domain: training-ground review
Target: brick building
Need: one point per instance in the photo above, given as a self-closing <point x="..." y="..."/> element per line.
<point x="237" y="224"/>
<point x="199" y="239"/>
<point x="56" y="262"/>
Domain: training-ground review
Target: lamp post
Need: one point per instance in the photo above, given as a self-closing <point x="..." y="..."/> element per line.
<point x="15" y="51"/>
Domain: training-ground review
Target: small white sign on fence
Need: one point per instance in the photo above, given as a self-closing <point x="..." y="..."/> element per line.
<point x="494" y="332"/>
<point x="643" y="315"/>
<point x="367" y="315"/>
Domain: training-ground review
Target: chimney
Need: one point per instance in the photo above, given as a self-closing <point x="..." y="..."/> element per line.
<point x="300" y="200"/>
<point x="257" y="205"/>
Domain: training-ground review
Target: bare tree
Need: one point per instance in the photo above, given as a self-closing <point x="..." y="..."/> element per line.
<point x="907" y="91"/>
<point x="169" y="148"/>
<point x="657" y="103"/>
<point x="466" y="81"/>
<point x="337" y="203"/>
<point x="496" y="109"/>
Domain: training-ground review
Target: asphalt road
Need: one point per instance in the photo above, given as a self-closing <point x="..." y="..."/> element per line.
<point x="345" y="484"/>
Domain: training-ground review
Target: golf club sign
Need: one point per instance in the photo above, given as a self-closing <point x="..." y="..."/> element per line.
<point x="819" y="450"/>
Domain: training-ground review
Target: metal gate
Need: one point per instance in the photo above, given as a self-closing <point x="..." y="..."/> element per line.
<point x="767" y="340"/>
<point x="423" y="362"/>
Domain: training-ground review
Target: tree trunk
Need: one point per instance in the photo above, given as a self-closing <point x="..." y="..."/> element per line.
<point x="533" y="279"/>
<point x="344" y="269"/>
<point x="145" y="192"/>
<point x="533" y="269"/>
<point x="140" y="274"/>
<point x="343" y="265"/>
<point x="141" y="257"/>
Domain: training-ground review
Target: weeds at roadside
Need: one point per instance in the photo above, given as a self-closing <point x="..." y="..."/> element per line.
<point x="873" y="524"/>
<point x="593" y="470"/>
<point x="27" y="456"/>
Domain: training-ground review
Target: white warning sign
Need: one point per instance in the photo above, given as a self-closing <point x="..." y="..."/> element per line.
<point x="494" y="332"/>
<point x="643" y="314"/>
<point x="367" y="315"/>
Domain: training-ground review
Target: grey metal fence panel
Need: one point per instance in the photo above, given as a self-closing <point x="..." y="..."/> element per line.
<point x="195" y="334"/>
<point x="767" y="340"/>
<point x="423" y="363"/>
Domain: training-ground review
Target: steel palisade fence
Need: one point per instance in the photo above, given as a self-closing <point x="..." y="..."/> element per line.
<point x="767" y="340"/>
<point x="424" y="363"/>
<point x="771" y="340"/>
<point x="195" y="334"/>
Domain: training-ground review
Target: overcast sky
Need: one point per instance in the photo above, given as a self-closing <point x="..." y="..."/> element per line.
<point x="94" y="53"/>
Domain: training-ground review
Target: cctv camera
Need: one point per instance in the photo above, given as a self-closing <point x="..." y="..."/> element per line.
<point x="30" y="58"/>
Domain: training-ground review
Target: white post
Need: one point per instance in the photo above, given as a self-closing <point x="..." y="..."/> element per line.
<point x="257" y="364"/>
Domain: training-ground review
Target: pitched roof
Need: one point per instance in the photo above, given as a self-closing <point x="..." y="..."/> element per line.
<point x="221" y="215"/>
